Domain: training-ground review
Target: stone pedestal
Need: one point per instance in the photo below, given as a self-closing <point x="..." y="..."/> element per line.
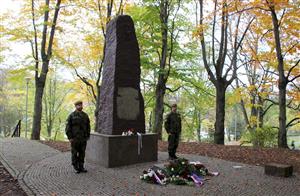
<point x="280" y="170"/>
<point x="116" y="150"/>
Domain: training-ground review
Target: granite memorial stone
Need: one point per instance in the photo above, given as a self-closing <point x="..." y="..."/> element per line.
<point x="121" y="101"/>
<point x="121" y="104"/>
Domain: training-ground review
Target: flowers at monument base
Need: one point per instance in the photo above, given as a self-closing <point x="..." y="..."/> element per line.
<point x="129" y="132"/>
<point x="178" y="172"/>
<point x="155" y="176"/>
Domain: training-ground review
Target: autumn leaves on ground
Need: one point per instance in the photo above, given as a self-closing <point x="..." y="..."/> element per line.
<point x="9" y="186"/>
<point x="242" y="154"/>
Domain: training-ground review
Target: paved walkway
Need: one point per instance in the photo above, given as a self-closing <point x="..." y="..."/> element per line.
<point x="42" y="170"/>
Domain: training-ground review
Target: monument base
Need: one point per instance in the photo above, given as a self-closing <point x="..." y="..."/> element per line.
<point x="117" y="150"/>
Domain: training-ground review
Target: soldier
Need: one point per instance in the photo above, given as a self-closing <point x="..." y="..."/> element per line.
<point x="173" y="128"/>
<point x="78" y="131"/>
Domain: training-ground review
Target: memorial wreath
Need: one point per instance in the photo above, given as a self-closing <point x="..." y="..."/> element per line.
<point x="178" y="172"/>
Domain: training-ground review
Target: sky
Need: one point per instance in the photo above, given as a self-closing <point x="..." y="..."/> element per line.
<point x="6" y="5"/>
<point x="19" y="50"/>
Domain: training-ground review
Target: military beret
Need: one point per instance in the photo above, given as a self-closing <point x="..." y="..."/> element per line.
<point x="78" y="102"/>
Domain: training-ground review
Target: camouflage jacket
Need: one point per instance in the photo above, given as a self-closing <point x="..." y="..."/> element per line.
<point x="173" y="123"/>
<point x="78" y="126"/>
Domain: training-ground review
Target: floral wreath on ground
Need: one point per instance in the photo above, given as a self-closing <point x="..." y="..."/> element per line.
<point x="178" y="172"/>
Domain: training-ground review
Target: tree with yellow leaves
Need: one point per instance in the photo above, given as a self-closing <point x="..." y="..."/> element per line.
<point x="43" y="58"/>
<point x="228" y="12"/>
<point x="282" y="18"/>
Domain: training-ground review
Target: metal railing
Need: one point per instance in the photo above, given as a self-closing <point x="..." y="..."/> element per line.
<point x="17" y="131"/>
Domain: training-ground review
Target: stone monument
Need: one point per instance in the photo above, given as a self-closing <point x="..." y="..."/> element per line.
<point x="121" y="102"/>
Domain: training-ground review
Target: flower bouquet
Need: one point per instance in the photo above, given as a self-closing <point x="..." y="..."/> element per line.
<point x="181" y="172"/>
<point x="178" y="172"/>
<point x="128" y="132"/>
<point x="154" y="175"/>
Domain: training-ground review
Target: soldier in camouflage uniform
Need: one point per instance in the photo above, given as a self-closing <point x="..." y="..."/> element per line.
<point x="173" y="128"/>
<point x="78" y="131"/>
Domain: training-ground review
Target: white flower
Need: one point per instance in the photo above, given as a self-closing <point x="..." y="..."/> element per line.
<point x="150" y="174"/>
<point x="172" y="169"/>
<point x="182" y="162"/>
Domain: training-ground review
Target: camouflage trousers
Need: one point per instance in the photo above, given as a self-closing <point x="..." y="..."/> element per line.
<point x="173" y="141"/>
<point x="78" y="153"/>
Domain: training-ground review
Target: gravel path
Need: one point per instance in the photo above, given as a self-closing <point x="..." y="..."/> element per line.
<point x="49" y="172"/>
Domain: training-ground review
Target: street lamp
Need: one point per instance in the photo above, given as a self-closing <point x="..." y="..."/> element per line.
<point x="26" y="116"/>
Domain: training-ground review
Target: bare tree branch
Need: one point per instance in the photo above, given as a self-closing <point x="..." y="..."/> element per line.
<point x="294" y="78"/>
<point x="173" y="90"/>
<point x="267" y="109"/>
<point x="293" y="46"/>
<point x="291" y="69"/>
<point x="290" y="124"/>
<point x="213" y="33"/>
<point x="84" y="80"/>
<point x="297" y="87"/>
<point x="236" y="50"/>
<point x="44" y="34"/>
<point x="210" y="73"/>
<point x="100" y="18"/>
<point x="53" y="26"/>
<point x="120" y="10"/>
<point x="36" y="55"/>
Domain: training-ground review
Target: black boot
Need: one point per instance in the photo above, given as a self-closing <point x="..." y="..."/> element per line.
<point x="171" y="157"/>
<point x="81" y="168"/>
<point x="76" y="168"/>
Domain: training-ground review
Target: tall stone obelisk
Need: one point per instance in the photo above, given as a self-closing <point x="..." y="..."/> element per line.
<point x="121" y="102"/>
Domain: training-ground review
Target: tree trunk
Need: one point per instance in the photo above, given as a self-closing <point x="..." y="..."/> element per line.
<point x="220" y="114"/>
<point x="253" y="112"/>
<point x="159" y="106"/>
<point x="37" y="115"/>
<point x="199" y="127"/>
<point x="260" y="112"/>
<point x="45" y="56"/>
<point x="282" y="140"/>
<point x="162" y="77"/>
<point x="282" y="136"/>
<point x="150" y="121"/>
<point x="97" y="109"/>
<point x="228" y="135"/>
<point x="49" y="128"/>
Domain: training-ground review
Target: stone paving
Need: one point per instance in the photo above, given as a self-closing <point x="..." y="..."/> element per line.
<point x="49" y="172"/>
